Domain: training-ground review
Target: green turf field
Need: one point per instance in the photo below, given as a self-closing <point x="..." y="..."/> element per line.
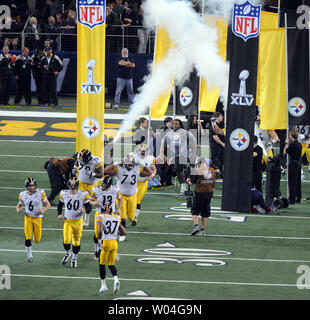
<point x="255" y="259"/>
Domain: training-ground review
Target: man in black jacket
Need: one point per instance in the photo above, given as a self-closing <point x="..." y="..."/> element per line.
<point x="37" y="73"/>
<point x="22" y="72"/>
<point x="6" y="75"/>
<point x="51" y="66"/>
<point x="293" y="148"/>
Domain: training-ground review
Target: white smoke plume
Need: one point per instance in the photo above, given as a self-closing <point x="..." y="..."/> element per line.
<point x="196" y="47"/>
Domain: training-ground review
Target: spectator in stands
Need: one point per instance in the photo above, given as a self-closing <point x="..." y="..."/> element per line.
<point x="124" y="78"/>
<point x="293" y="148"/>
<point x="51" y="66"/>
<point x="19" y="8"/>
<point x="68" y="27"/>
<point x="112" y="30"/>
<point x="6" y="74"/>
<point x="12" y="38"/>
<point x="22" y="72"/>
<point x="128" y="19"/>
<point x="118" y="8"/>
<point x="143" y="33"/>
<point x="33" y="39"/>
<point x="37" y="73"/>
<point x="257" y="173"/>
<point x="217" y="139"/>
<point x="53" y="29"/>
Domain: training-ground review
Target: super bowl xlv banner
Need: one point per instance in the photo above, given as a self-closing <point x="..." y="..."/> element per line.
<point x="236" y="191"/>
<point x="90" y="75"/>
<point x="298" y="76"/>
<point x="187" y="95"/>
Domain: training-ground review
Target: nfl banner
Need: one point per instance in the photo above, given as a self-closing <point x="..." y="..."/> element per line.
<point x="298" y="77"/>
<point x="237" y="182"/>
<point x="90" y="75"/>
<point x="187" y="95"/>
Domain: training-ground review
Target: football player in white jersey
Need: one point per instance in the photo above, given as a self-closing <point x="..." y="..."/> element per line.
<point x="127" y="173"/>
<point x="90" y="171"/>
<point x="304" y="139"/>
<point x="108" y="227"/>
<point x="147" y="160"/>
<point x="32" y="199"/>
<point x="103" y="195"/>
<point x="76" y="203"/>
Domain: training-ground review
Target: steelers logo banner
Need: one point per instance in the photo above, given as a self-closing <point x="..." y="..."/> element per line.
<point x="187" y="95"/>
<point x="297" y="107"/>
<point x="298" y="77"/>
<point x="239" y="139"/>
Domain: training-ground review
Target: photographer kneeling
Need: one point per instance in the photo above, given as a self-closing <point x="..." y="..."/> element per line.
<point x="204" y="178"/>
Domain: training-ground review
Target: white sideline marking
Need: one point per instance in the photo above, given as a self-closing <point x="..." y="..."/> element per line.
<point x="179" y="234"/>
<point x="160" y="255"/>
<point x="160" y="281"/>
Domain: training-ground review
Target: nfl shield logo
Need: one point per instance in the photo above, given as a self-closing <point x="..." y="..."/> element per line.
<point x="91" y="13"/>
<point x="246" y="20"/>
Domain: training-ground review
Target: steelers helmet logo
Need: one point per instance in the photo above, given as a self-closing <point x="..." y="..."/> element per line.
<point x="239" y="139"/>
<point x="297" y="107"/>
<point x="186" y="96"/>
<point x="90" y="128"/>
<point x="176" y="138"/>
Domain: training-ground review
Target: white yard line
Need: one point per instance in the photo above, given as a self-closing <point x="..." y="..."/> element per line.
<point x="159" y="280"/>
<point x="180" y="234"/>
<point x="158" y="255"/>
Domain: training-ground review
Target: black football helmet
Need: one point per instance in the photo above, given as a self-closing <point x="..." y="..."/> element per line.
<point x="73" y="183"/>
<point x="106" y="182"/>
<point x="31" y="185"/>
<point x="30" y="182"/>
<point x="85" y="156"/>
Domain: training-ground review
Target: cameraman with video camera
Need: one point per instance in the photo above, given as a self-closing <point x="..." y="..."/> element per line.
<point x="204" y="178"/>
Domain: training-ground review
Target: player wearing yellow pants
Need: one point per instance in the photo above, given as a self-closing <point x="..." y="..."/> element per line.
<point x="148" y="160"/>
<point x="103" y="196"/>
<point x="90" y="171"/>
<point x="108" y="227"/>
<point x="32" y="199"/>
<point x="127" y="173"/>
<point x="74" y="201"/>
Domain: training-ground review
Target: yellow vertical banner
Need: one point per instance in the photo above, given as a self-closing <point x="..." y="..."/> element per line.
<point x="90" y="75"/>
<point x="163" y="44"/>
<point x="209" y="95"/>
<point x="271" y="74"/>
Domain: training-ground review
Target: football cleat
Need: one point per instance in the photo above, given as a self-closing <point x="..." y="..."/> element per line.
<point x="86" y="220"/>
<point x="74" y="263"/>
<point x="65" y="259"/>
<point x="116" y="286"/>
<point x="103" y="288"/>
<point x="30" y="259"/>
